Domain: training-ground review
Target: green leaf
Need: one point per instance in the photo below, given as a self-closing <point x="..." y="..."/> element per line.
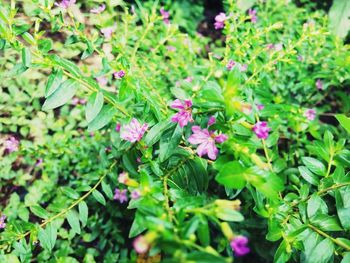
<point x="344" y="121"/>
<point x="314" y="165"/>
<point x="103" y="118"/>
<point x="154" y="134"/>
<point x="326" y="222"/>
<point x="107" y="190"/>
<point x="322" y="252"/>
<point x="26" y="57"/>
<point x="228" y="214"/>
<point x="346" y="258"/>
<point x="66" y="64"/>
<point x="308" y="176"/>
<point x="342" y="211"/>
<point x="83" y="213"/>
<point x="70" y="192"/>
<point x="232" y="175"/>
<point x="339" y="17"/>
<point x="282" y="255"/>
<point x="62" y="95"/>
<point x="93" y="106"/>
<point x="39" y="211"/>
<point x="138" y="225"/>
<point x="314" y="204"/>
<point x="73" y="221"/>
<point x="53" y="82"/>
<point x="47" y="237"/>
<point x="244" y="5"/>
<point x="99" y="197"/>
<point x="45" y="45"/>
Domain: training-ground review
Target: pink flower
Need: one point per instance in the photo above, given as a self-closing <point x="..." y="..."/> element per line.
<point x="220" y="21"/>
<point x="310" y="114"/>
<point x="82" y="101"/>
<point x="230" y="64"/>
<point x="253" y="16"/>
<point x="211" y="121"/>
<point x="138" y="160"/>
<point x="107" y="32"/>
<point x="123" y="177"/>
<point x="261" y="129"/>
<point x="319" y="84"/>
<point x="11" y="144"/>
<point x="2" y="222"/>
<point x="133" y="131"/>
<point x="65" y="3"/>
<point x="206" y="140"/>
<point x="243" y="68"/>
<point x="239" y="245"/>
<point x="102" y="80"/>
<point x="117" y="127"/>
<point x="185" y="114"/>
<point x="141" y="245"/>
<point x="75" y="101"/>
<point x="39" y="162"/>
<point x="120" y="195"/>
<point x="278" y="47"/>
<point x="189" y="79"/>
<point x="260" y="106"/>
<point x="171" y="48"/>
<point x="165" y="15"/>
<point x="119" y="75"/>
<point x="98" y="10"/>
<point x="300" y="58"/>
<point x="135" y="194"/>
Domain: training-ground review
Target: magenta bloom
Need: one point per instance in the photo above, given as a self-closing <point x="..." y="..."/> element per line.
<point x="211" y="121"/>
<point x="107" y="32"/>
<point x="141" y="245"/>
<point x="120" y="74"/>
<point x="134" y="131"/>
<point x="11" y="144"/>
<point x="261" y="129"/>
<point x="65" y="3"/>
<point x="185" y="112"/>
<point x="117" y="127"/>
<point x="2" y="222"/>
<point x="310" y="114"/>
<point x="319" y="84"/>
<point x="165" y="15"/>
<point x="230" y="64"/>
<point x="220" y="21"/>
<point x="206" y="140"/>
<point x="253" y="16"/>
<point x="260" y="106"/>
<point x="98" y="10"/>
<point x="239" y="245"/>
<point x="120" y="195"/>
<point x="102" y="80"/>
<point x="135" y="194"/>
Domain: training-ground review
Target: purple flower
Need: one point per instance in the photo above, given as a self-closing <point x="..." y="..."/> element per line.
<point x="65" y="3"/>
<point x="270" y="46"/>
<point x="239" y="245"/>
<point x="119" y="75"/>
<point x="230" y="64"/>
<point x="165" y="15"/>
<point x="211" y="121"/>
<point x="319" y="84"/>
<point x="135" y="194"/>
<point x="220" y="21"/>
<point x="39" y="162"/>
<point x="253" y="16"/>
<point x="2" y="222"/>
<point x="141" y="245"/>
<point x="98" y="10"/>
<point x="206" y="140"/>
<point x="310" y="114"/>
<point x="107" y="32"/>
<point x="261" y="129"/>
<point x="133" y="131"/>
<point x="11" y="144"/>
<point x="120" y="195"/>
<point x="185" y="112"/>
<point x="117" y="127"/>
<point x="102" y="80"/>
<point x="260" y="106"/>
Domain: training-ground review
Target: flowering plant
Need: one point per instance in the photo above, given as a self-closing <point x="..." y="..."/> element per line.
<point x="170" y="152"/>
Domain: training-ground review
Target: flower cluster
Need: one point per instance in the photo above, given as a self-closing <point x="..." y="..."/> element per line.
<point x="11" y="144"/>
<point x="220" y="21"/>
<point x="261" y="130"/>
<point x="65" y="3"/>
<point x="2" y="222"/>
<point x="239" y="245"/>
<point x="134" y="131"/>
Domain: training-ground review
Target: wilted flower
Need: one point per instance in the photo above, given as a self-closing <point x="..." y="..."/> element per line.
<point x="185" y="112"/>
<point x="65" y="3"/>
<point x="239" y="245"/>
<point x="133" y="131"/>
<point x="135" y="194"/>
<point x="165" y="15"/>
<point x="102" y="80"/>
<point x="211" y="120"/>
<point x="141" y="245"/>
<point x="310" y="114"/>
<point x="230" y="64"/>
<point x="119" y="75"/>
<point x="11" y="144"/>
<point x="123" y="177"/>
<point x="107" y="32"/>
<point x="220" y="21"/>
<point x="120" y="195"/>
<point x="98" y="10"/>
<point x="261" y="129"/>
<point x="253" y="16"/>
<point x="206" y="140"/>
<point x="2" y="222"/>
<point x="319" y="84"/>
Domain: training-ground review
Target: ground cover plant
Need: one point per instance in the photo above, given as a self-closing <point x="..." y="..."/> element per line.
<point x="174" y="131"/>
